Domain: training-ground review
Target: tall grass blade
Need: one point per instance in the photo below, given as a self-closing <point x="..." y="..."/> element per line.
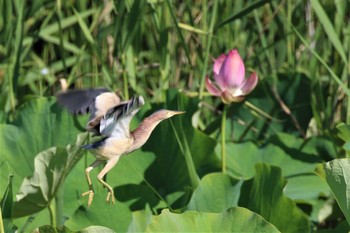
<point x="84" y="27"/>
<point x="208" y="46"/>
<point x="192" y="29"/>
<point x="329" y="29"/>
<point x="65" y="23"/>
<point x="66" y="44"/>
<point x="333" y="75"/>
<point x="242" y="13"/>
<point x="183" y="144"/>
<point x="19" y="7"/>
<point x="181" y="37"/>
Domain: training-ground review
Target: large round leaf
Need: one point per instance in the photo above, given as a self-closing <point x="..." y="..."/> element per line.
<point x="306" y="188"/>
<point x="116" y="217"/>
<point x="337" y="175"/>
<point x="50" y="171"/>
<point x="242" y="157"/>
<point x="129" y="171"/>
<point x="41" y="124"/>
<point x="236" y="219"/>
<point x="216" y="192"/>
<point x="63" y="229"/>
<point x="264" y="195"/>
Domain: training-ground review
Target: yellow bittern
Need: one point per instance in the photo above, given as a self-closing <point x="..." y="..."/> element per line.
<point x="110" y="119"/>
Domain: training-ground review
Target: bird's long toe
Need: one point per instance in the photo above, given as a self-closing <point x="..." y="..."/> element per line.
<point x="110" y="197"/>
<point x="91" y="196"/>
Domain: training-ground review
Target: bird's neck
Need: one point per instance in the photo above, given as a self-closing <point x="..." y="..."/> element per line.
<point x="143" y="132"/>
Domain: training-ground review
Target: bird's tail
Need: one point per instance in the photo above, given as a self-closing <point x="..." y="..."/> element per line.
<point x="94" y="145"/>
<point x="88" y="146"/>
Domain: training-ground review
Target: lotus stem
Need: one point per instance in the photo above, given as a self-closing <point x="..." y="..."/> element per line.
<point x="223" y="139"/>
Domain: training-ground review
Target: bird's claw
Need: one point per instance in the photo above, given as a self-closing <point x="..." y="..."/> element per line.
<point x="110" y="198"/>
<point x="91" y="196"/>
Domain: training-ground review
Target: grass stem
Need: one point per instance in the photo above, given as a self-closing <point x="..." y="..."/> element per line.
<point x="59" y="206"/>
<point x="223" y="139"/>
<point x="208" y="46"/>
<point x="52" y="211"/>
<point x="1" y="223"/>
<point x="183" y="144"/>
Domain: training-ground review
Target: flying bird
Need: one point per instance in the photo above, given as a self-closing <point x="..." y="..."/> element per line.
<point x="110" y="119"/>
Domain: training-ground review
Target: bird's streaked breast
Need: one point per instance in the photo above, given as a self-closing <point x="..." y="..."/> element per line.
<point x="112" y="147"/>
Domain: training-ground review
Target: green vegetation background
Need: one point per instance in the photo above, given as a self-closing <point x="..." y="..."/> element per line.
<point x="287" y="144"/>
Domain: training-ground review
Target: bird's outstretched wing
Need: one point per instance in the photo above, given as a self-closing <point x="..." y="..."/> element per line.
<point x="116" y="122"/>
<point x="79" y="101"/>
<point x="97" y="102"/>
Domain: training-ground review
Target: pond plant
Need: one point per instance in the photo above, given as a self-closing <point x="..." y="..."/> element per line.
<point x="263" y="145"/>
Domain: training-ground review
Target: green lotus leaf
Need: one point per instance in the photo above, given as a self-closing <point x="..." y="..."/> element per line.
<point x="264" y="195"/>
<point x="236" y="219"/>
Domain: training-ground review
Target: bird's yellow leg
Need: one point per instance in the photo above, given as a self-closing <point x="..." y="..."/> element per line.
<point x="87" y="174"/>
<point x="110" y="164"/>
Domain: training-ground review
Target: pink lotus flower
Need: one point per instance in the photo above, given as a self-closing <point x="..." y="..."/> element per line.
<point x="229" y="72"/>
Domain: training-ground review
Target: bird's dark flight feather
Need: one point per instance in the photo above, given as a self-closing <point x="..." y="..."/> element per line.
<point x="79" y="101"/>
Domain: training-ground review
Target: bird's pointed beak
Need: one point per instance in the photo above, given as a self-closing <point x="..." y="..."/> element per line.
<point x="178" y="112"/>
<point x="173" y="113"/>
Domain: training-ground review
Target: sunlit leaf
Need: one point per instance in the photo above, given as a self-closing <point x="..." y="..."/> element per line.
<point x="337" y="175"/>
<point x="264" y="195"/>
<point x="129" y="181"/>
<point x="344" y="134"/>
<point x="140" y="220"/>
<point x="127" y="178"/>
<point x="242" y="157"/>
<point x="50" y="170"/>
<point x="236" y="219"/>
<point x="306" y="187"/>
<point x="216" y="193"/>
<point x="344" y="131"/>
<point x="116" y="217"/>
<point x="63" y="229"/>
<point x="40" y="124"/>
